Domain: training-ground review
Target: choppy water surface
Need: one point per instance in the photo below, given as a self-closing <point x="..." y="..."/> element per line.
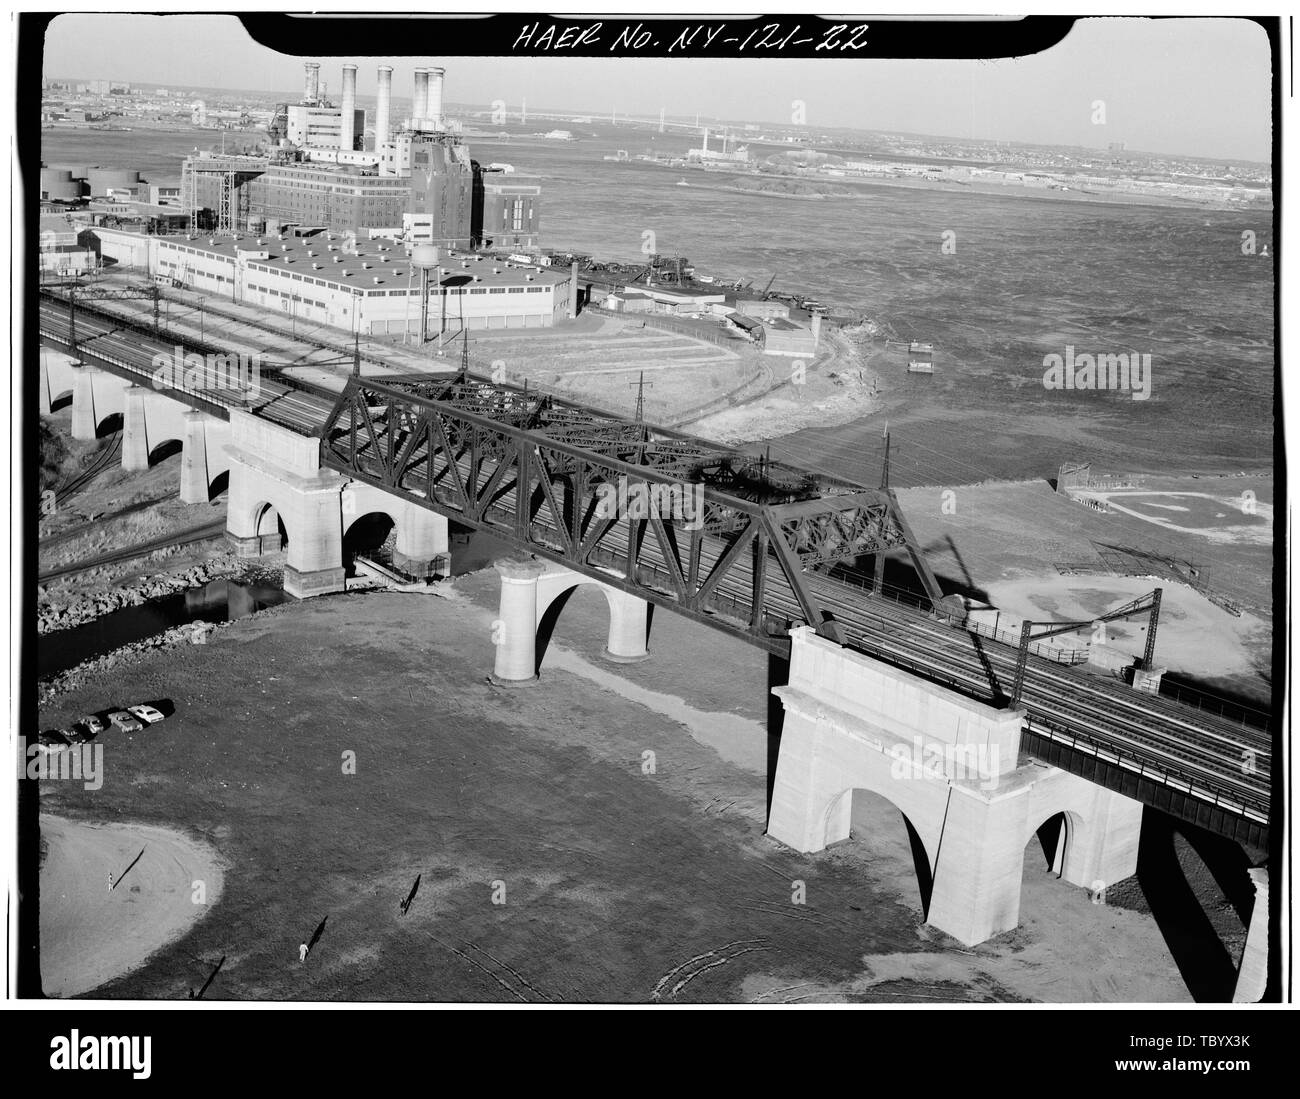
<point x="1028" y="278"/>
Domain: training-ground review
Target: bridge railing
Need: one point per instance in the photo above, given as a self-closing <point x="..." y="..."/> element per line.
<point x="1038" y="648"/>
<point x="919" y="602"/>
<point x="209" y="399"/>
<point x="1246" y="716"/>
<point x="1253" y="808"/>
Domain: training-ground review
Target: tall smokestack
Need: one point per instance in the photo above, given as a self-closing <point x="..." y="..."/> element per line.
<point x="347" y="121"/>
<point x="311" y="89"/>
<point x="383" y="110"/>
<point x="420" y="101"/>
<point x="433" y="108"/>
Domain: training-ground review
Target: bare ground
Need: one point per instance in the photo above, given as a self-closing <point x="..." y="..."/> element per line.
<point x="618" y="884"/>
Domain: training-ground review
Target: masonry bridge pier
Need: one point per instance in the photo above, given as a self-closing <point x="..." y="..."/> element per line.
<point x="153" y="423"/>
<point x="976" y="742"/>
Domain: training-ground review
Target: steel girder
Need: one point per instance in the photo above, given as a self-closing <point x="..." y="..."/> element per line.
<point x="710" y="532"/>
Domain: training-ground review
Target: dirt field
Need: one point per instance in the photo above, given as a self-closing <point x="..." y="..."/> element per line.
<point x="1001" y="543"/>
<point x="91" y="929"/>
<point x="617" y="885"/>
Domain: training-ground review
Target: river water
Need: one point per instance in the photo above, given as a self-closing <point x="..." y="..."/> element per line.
<point x="1029" y="277"/>
<point x="217" y="601"/>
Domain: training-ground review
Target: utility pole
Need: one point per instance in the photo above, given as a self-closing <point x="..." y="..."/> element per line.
<point x="878" y="567"/>
<point x="639" y="415"/>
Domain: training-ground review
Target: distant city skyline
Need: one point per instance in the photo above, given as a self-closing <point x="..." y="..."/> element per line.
<point x="1191" y="87"/>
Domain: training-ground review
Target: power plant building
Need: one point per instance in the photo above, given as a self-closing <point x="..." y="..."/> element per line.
<point x="322" y="127"/>
<point x="508" y="210"/>
<point x="417" y="182"/>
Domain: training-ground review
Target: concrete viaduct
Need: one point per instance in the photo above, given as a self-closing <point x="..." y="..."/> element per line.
<point x="952" y="765"/>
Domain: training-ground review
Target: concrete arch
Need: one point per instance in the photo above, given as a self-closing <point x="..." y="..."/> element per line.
<point x="421" y="548"/>
<point x="922" y="855"/>
<point x="162" y="449"/>
<point x="350" y="521"/>
<point x="366" y="533"/>
<point x="1058" y="835"/>
<point x="268" y="527"/>
<point x="629" y="617"/>
<point x="109" y="425"/>
<point x="533" y="593"/>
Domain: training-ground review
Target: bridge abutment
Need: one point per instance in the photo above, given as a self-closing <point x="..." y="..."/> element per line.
<point x="276" y="481"/>
<point x="952" y="766"/>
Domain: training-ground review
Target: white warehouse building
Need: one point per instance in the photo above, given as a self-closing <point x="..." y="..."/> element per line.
<point x="370" y="287"/>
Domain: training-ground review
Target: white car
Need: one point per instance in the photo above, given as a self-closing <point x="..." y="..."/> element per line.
<point x="147" y="714"/>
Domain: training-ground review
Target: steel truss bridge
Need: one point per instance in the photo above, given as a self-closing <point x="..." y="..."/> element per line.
<point x="764" y="551"/>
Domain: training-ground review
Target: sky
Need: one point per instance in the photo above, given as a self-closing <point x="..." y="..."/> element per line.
<point x="1199" y="87"/>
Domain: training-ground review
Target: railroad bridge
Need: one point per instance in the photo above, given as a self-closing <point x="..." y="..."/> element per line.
<point x="907" y="701"/>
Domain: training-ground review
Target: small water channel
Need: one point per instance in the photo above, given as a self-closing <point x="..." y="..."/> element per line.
<point x="216" y="601"/>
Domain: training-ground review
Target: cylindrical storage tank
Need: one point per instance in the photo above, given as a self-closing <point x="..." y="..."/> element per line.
<point x="384" y="107"/>
<point x="420" y="101"/>
<point x="347" y="122"/>
<point x="433" y="106"/>
<point x="311" y="87"/>
<point x="103" y="179"/>
<point x="76" y="171"/>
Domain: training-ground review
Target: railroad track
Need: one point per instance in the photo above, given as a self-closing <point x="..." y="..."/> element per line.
<point x="102" y="458"/>
<point x="1188" y="750"/>
<point x="1166" y="741"/>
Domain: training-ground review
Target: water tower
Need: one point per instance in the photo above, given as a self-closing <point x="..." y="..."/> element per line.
<point x="426" y="259"/>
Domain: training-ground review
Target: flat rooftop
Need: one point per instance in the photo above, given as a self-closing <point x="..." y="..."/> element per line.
<point x="386" y="259"/>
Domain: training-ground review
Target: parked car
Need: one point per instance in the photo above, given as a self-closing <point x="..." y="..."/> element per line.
<point x="125" y="722"/>
<point x="91" y="722"/>
<point x="52" y="741"/>
<point x="147" y="714"/>
<point x="79" y="733"/>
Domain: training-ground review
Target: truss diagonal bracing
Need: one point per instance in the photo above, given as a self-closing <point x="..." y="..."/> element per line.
<point x="716" y="534"/>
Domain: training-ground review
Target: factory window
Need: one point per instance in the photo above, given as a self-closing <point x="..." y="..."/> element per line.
<point x="536" y="289"/>
<point x="496" y="290"/>
<point x="516" y="289"/>
<point x="478" y="289"/>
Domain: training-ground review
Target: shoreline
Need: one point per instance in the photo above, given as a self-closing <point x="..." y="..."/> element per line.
<point x="993" y="190"/>
<point x="91" y="934"/>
